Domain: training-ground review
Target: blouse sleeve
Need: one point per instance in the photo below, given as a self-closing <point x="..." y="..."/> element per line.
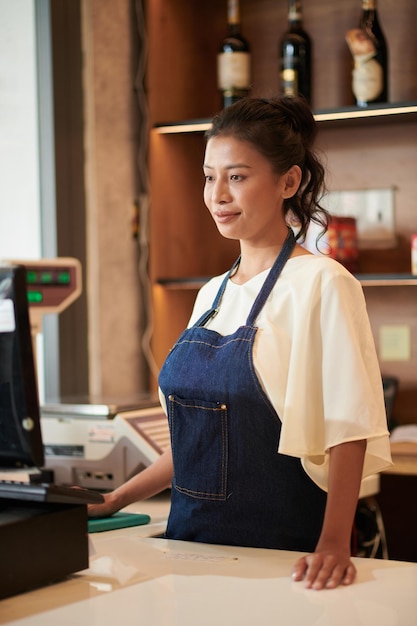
<point x="334" y="387"/>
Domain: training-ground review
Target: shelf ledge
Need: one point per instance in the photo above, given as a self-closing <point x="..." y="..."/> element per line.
<point x="387" y="280"/>
<point x="366" y="280"/>
<point x="385" y="111"/>
<point x="381" y="112"/>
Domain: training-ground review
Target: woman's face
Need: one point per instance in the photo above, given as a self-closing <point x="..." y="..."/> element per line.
<point x="242" y="193"/>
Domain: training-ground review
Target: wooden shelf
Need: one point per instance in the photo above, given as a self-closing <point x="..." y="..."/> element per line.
<point x="193" y="282"/>
<point x="387" y="280"/>
<point x="184" y="126"/>
<point x="366" y="280"/>
<point x="392" y="112"/>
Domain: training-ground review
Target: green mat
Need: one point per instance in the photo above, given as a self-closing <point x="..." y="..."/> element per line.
<point x="118" y="520"/>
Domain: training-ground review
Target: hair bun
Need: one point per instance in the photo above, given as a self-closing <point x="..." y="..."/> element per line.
<point x="297" y="113"/>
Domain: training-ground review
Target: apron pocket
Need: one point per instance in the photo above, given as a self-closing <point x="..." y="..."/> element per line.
<point x="199" y="439"/>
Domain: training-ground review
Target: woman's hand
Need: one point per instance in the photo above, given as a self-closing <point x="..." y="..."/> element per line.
<point x="330" y="564"/>
<point x="325" y="569"/>
<point x="150" y="481"/>
<point x="105" y="509"/>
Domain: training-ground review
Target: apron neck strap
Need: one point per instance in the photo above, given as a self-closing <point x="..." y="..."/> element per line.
<point x="271" y="279"/>
<point x="267" y="287"/>
<point x="208" y="315"/>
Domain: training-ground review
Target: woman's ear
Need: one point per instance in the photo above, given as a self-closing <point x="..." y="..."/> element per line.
<point x="292" y="181"/>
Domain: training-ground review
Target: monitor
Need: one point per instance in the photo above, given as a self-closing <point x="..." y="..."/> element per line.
<point x="20" y="429"/>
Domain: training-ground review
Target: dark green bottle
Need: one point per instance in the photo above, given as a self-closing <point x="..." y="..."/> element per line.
<point x="295" y="55"/>
<point x="233" y="60"/>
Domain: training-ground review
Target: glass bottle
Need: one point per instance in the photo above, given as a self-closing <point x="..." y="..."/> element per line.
<point x="233" y="60"/>
<point x="295" y="55"/>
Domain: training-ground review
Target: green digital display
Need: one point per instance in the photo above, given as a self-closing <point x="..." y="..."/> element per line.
<point x="52" y="285"/>
<point x="64" y="278"/>
<point x="35" y="297"/>
<point x="48" y="277"/>
<point x="31" y="277"/>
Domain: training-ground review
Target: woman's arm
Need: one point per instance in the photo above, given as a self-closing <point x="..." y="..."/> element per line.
<point x="147" y="483"/>
<point x="330" y="563"/>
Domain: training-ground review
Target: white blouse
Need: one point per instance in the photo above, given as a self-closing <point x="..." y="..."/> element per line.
<point x="315" y="357"/>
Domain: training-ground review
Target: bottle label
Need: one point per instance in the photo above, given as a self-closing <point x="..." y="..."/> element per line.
<point x="289" y="82"/>
<point x="367" y="74"/>
<point x="233" y="70"/>
<point x="367" y="80"/>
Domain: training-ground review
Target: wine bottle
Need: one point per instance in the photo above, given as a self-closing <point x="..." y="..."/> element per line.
<point x="233" y="60"/>
<point x="295" y="55"/>
<point x="369" y="50"/>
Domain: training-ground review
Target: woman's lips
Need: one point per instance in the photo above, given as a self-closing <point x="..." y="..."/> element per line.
<point x="225" y="216"/>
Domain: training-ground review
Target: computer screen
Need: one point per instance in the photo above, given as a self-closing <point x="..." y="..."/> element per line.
<point x="20" y="430"/>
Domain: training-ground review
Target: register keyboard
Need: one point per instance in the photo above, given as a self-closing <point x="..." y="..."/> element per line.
<point x="48" y="492"/>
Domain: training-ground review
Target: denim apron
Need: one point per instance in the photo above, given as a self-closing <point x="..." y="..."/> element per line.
<point x="230" y="485"/>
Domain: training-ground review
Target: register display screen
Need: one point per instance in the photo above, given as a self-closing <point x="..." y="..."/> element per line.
<point x="20" y="433"/>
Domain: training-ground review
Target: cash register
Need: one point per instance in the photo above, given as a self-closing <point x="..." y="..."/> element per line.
<point x="43" y="526"/>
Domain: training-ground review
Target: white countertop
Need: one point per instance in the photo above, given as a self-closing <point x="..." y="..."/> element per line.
<point x="137" y="579"/>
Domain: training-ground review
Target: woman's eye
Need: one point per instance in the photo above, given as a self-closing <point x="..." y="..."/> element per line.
<point x="208" y="178"/>
<point x="236" y="177"/>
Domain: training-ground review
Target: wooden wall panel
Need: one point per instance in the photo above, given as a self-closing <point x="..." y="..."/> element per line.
<point x="185" y="241"/>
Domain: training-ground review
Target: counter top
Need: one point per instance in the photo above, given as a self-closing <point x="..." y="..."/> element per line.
<point x="404" y="456"/>
<point x="135" y="578"/>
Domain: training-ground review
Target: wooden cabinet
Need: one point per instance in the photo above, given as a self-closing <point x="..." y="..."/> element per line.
<point x="398" y="506"/>
<point x="364" y="149"/>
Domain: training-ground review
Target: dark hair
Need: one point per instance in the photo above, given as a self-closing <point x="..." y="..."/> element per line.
<point x="283" y="130"/>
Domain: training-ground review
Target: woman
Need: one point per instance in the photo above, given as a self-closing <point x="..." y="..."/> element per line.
<point x="273" y="393"/>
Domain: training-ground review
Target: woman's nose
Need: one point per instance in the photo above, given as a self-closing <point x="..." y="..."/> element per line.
<point x="220" y="192"/>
